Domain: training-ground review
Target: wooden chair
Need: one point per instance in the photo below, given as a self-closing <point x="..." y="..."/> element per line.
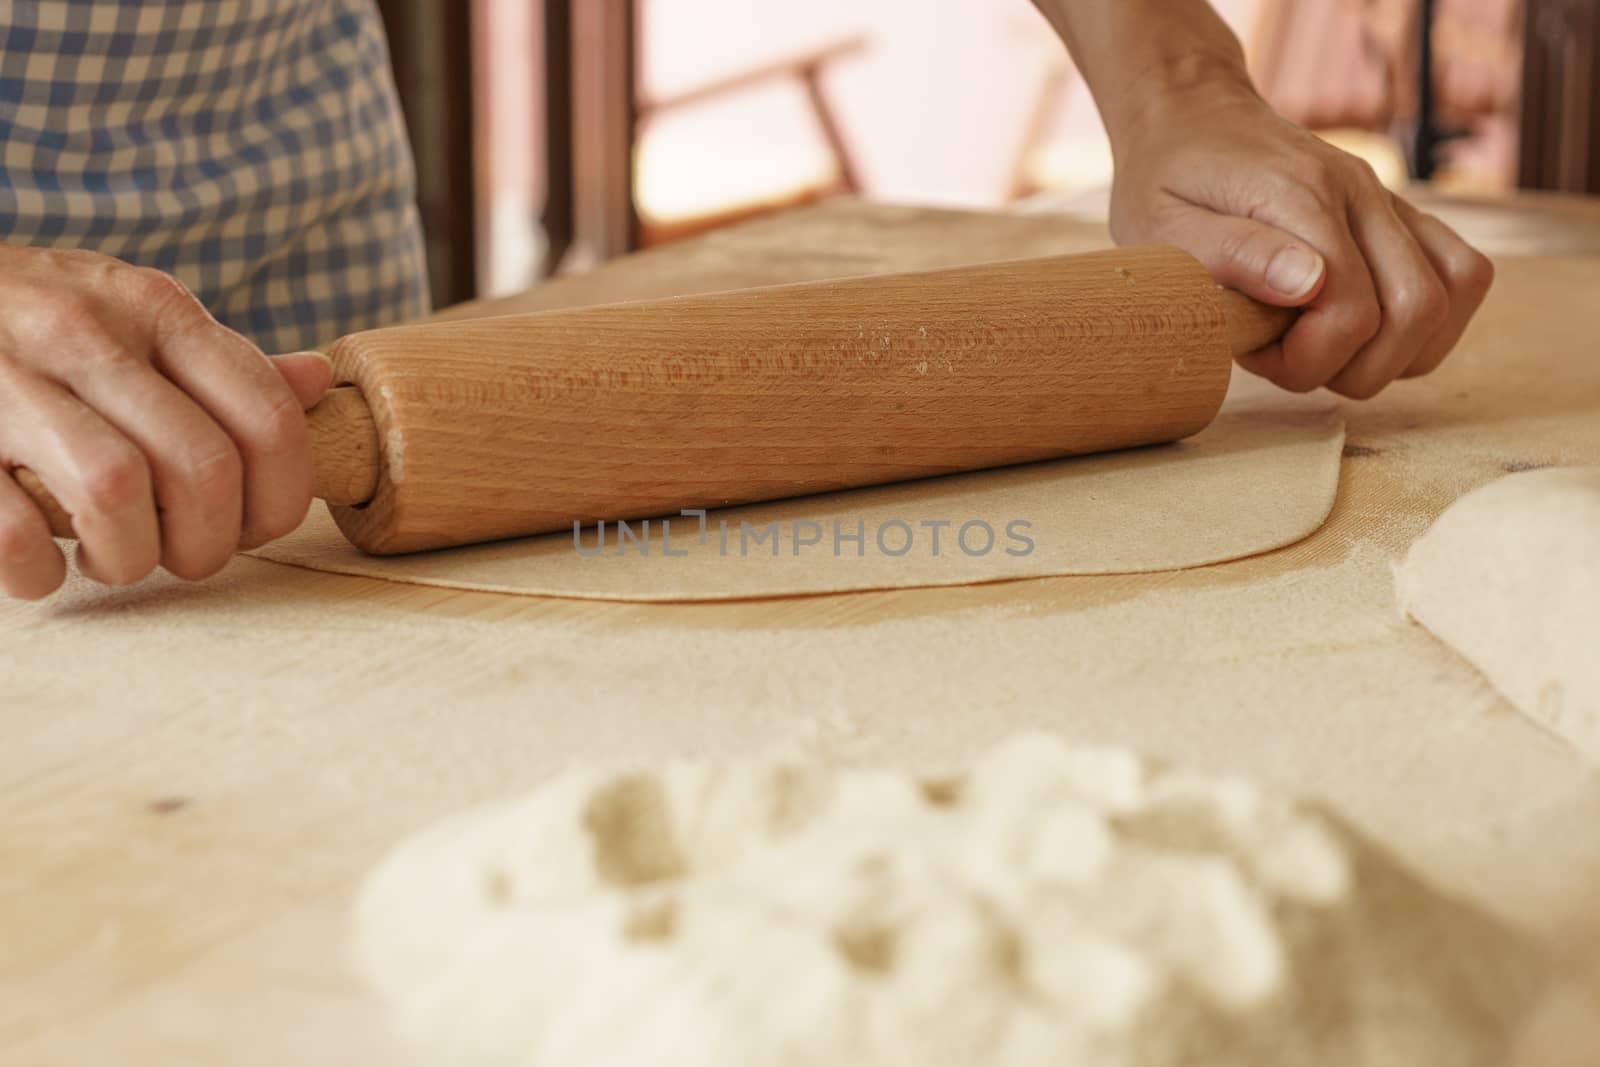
<point x="806" y="68"/>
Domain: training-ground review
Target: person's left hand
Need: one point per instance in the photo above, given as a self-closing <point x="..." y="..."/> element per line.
<point x="1282" y="216"/>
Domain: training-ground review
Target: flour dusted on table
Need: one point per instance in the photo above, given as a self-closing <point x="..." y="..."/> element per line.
<point x="1052" y="905"/>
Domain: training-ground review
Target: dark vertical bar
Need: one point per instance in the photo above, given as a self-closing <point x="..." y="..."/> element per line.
<point x="1580" y="83"/>
<point x="1425" y="143"/>
<point x="431" y="45"/>
<point x="1534" y="118"/>
<point x="1591" y="99"/>
<point x="558" y="207"/>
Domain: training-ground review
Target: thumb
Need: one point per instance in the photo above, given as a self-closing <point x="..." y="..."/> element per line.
<point x="1260" y="261"/>
<point x="308" y="373"/>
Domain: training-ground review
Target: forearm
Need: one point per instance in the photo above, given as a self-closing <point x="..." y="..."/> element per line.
<point x="1135" y="53"/>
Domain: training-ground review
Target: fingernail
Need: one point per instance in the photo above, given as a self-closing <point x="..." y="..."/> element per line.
<point x="1294" y="271"/>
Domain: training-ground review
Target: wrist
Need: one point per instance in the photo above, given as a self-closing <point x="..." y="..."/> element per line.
<point x="1169" y="91"/>
<point x="1147" y="61"/>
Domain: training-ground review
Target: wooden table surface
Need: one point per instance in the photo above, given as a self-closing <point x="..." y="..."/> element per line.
<point x="193" y="778"/>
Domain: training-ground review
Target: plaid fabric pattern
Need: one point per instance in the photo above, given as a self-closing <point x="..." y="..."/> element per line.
<point x="253" y="148"/>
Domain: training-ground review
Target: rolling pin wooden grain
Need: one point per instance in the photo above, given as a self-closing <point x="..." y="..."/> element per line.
<point x="458" y="432"/>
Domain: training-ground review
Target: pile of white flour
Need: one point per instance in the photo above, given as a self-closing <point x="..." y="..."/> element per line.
<point x="1055" y="905"/>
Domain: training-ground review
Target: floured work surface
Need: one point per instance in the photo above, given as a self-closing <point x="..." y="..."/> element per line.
<point x="1262" y="476"/>
<point x="195" y="778"/>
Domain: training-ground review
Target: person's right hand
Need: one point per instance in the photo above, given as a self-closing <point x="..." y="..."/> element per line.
<point x="1270" y="210"/>
<point x="167" y="437"/>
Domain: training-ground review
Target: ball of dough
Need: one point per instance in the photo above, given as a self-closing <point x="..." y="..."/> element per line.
<point x="1509" y="577"/>
<point x="1053" y="905"/>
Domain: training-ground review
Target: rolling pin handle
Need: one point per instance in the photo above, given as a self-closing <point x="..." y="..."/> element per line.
<point x="344" y="442"/>
<point x="1252" y="324"/>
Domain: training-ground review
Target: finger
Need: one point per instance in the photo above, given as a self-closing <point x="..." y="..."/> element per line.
<point x="98" y="475"/>
<point x="308" y="374"/>
<point x="195" y="469"/>
<point x="1343" y="316"/>
<point x="1467" y="274"/>
<point x="239" y="387"/>
<point x="31" y="566"/>
<point x="1413" y="298"/>
<point x="1258" y="260"/>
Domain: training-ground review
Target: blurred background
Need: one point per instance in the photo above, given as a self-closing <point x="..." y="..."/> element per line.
<point x="554" y="134"/>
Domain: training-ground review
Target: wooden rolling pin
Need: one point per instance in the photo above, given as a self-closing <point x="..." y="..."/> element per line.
<point x="458" y="432"/>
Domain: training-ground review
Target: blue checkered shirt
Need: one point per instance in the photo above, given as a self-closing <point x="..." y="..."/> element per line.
<point x="252" y="148"/>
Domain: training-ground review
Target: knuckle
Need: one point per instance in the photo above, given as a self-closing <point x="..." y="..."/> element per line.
<point x="1300" y="378"/>
<point x="1237" y="246"/>
<point x="280" y="522"/>
<point x="196" y="568"/>
<point x="1321" y="180"/>
<point x="175" y="310"/>
<point x="1471" y="271"/>
<point x="19" y="541"/>
<point x="71" y="336"/>
<point x="1425" y="305"/>
<point x="116" y="481"/>
<point x="1361" y="172"/>
<point x="213" y="471"/>
<point x="1357" y="323"/>
<point x="1299" y="383"/>
<point x="100" y="354"/>
<point x="54" y="312"/>
<point x="280" y="427"/>
<point x="82" y="261"/>
<point x="1361" y="387"/>
<point x="1362" y="380"/>
<point x="280" y="434"/>
<point x="125" y="573"/>
<point x="158" y="286"/>
<point x="1423" y="369"/>
<point x="1359" y="390"/>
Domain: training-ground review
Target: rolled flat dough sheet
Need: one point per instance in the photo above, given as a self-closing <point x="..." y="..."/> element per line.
<point x="1262" y="476"/>
<point x="1509" y="577"/>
